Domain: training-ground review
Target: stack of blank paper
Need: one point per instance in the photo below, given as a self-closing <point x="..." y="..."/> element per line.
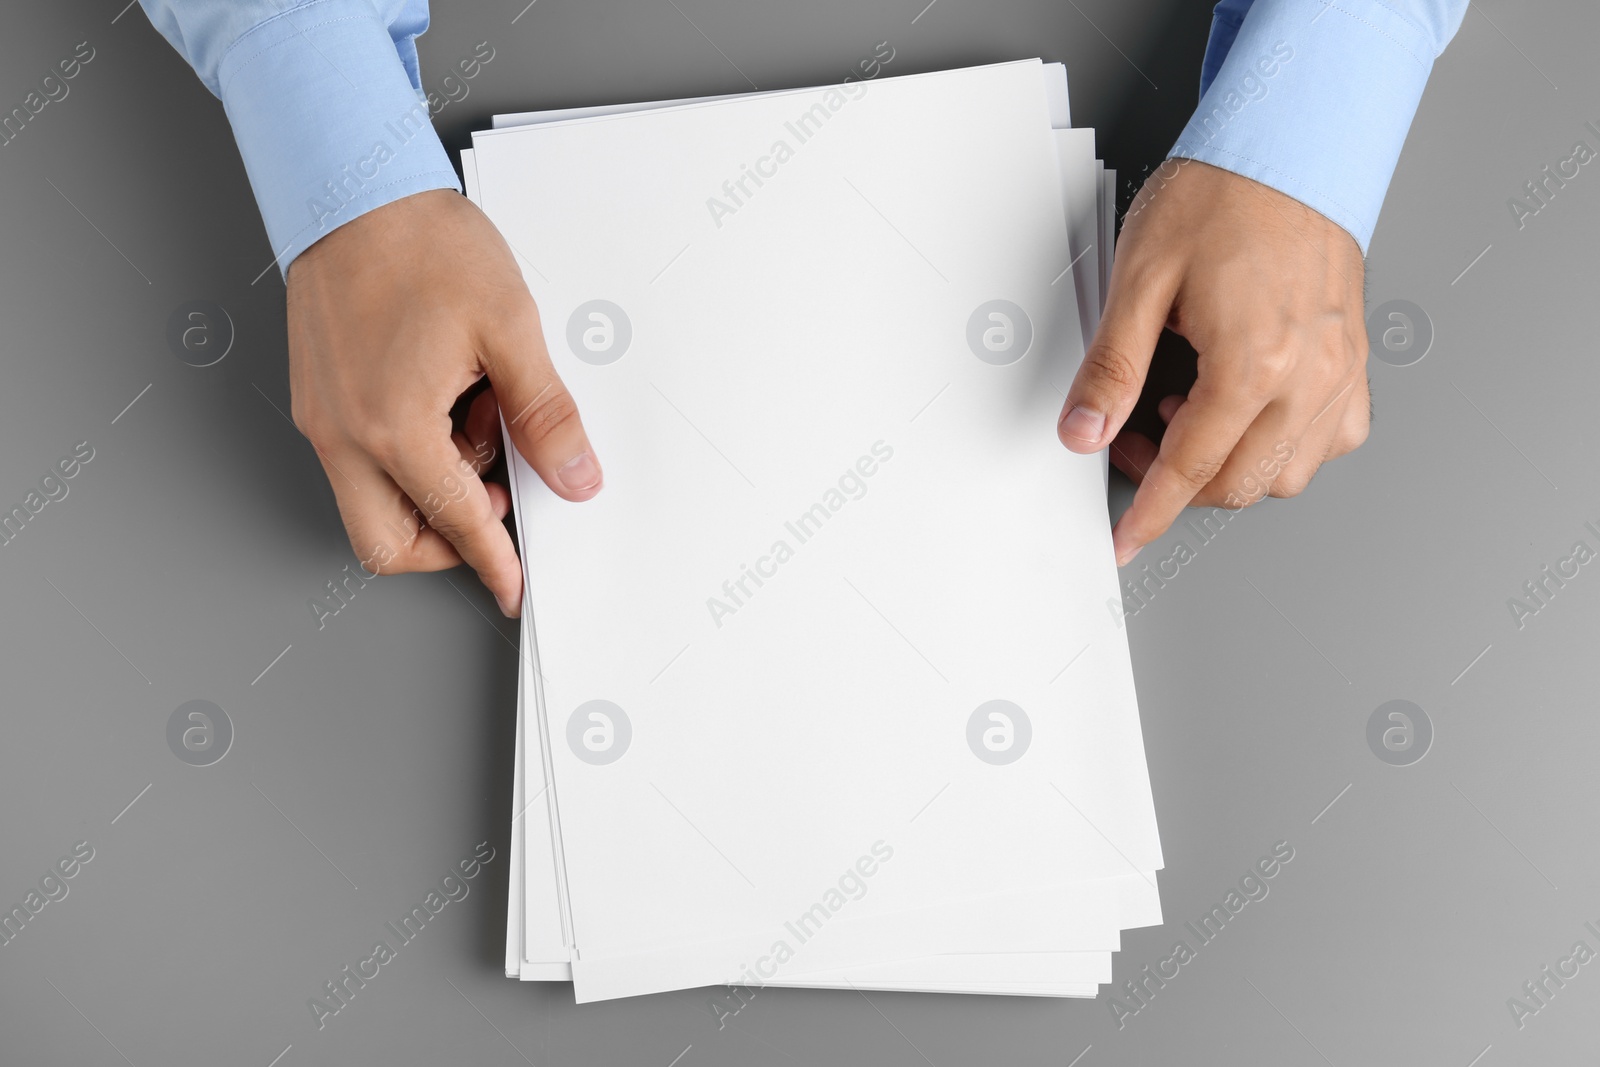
<point x="825" y="687"/>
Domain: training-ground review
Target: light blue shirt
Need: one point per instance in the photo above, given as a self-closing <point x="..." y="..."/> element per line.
<point x="1314" y="97"/>
<point x="1311" y="97"/>
<point x="325" y="100"/>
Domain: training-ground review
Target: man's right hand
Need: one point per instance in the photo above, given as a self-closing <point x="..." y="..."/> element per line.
<point x="1269" y="293"/>
<point x="392" y="317"/>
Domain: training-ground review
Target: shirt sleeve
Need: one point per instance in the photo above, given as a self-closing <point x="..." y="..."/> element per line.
<point x="1315" y="97"/>
<point x="325" y="101"/>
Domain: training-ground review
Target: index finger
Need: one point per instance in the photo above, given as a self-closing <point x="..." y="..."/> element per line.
<point x="1198" y="442"/>
<point x="455" y="503"/>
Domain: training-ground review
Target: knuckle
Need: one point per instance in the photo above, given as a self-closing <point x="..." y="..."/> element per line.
<point x="1270" y="363"/>
<point x="1110" y="368"/>
<point x="1197" y="472"/>
<point x="1354" y="432"/>
<point x="1247" y="492"/>
<point x="1355" y="420"/>
<point x="450" y="517"/>
<point x="1357" y="349"/>
<point x="549" y="414"/>
<point x="1293" y="481"/>
<point x="464" y="520"/>
<point x="456" y="521"/>
<point x="1249" y="487"/>
<point x="463" y="535"/>
<point x="382" y="442"/>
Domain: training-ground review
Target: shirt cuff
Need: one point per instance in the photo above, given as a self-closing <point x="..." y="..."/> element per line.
<point x="1314" y="100"/>
<point x="328" y="121"/>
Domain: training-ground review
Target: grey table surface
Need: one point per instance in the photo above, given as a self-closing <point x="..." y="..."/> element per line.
<point x="368" y="756"/>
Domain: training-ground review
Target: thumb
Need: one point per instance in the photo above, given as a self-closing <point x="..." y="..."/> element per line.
<point x="540" y="412"/>
<point x="1113" y="371"/>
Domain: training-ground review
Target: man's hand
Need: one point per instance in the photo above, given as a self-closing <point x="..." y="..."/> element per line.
<point x="391" y="318"/>
<point x="1269" y="293"/>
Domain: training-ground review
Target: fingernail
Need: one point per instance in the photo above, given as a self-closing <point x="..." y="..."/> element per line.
<point x="1083" y="424"/>
<point x="579" y="473"/>
<point x="1125" y="556"/>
